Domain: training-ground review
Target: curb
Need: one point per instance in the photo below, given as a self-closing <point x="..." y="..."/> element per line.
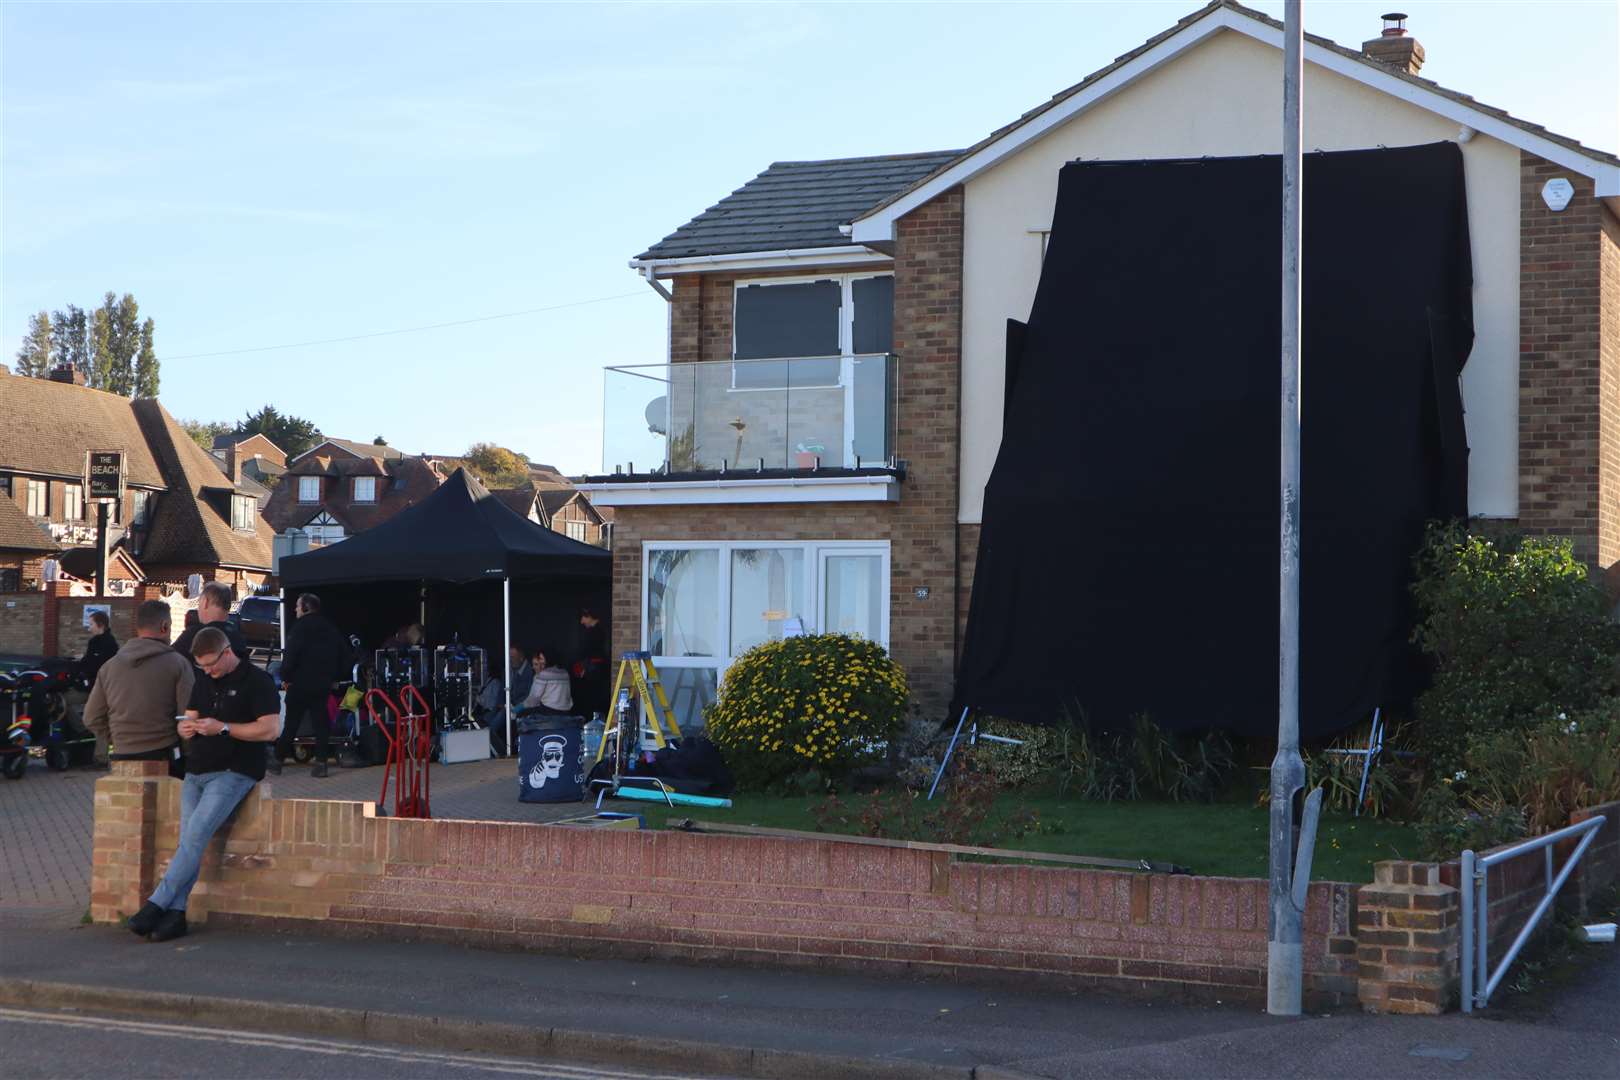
<point x="515" y="1040"/>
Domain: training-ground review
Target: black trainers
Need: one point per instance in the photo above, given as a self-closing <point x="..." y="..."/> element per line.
<point x="319" y="770"/>
<point x="144" y="921"/>
<point x="272" y="765"/>
<point x="170" y="926"/>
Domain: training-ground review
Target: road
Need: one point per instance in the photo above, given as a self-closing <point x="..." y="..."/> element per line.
<point x="44" y="1044"/>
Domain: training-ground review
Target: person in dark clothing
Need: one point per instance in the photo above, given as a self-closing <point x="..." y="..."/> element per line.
<point x="591" y="662"/>
<point x="101" y="647"/>
<point x="234" y="710"/>
<point x="317" y="656"/>
<point x="213" y="609"/>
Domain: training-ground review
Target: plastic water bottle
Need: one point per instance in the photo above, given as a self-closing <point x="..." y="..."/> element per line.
<point x="593" y="735"/>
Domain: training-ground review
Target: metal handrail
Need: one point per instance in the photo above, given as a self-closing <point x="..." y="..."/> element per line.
<point x="1474" y="885"/>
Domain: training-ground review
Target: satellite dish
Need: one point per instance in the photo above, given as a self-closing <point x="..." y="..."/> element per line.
<point x="657" y="415"/>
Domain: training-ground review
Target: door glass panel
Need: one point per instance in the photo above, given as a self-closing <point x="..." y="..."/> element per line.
<point x="767" y="589"/>
<point x="683" y="609"/>
<point x="854" y="595"/>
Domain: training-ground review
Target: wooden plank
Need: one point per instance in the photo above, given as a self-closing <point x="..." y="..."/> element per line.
<point x="691" y="825"/>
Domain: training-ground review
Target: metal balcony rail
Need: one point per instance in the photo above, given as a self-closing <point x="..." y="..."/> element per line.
<point x="801" y="413"/>
<point x="1478" y="980"/>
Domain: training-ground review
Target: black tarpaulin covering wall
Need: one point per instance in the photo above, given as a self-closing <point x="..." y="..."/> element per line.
<point x="1128" y="559"/>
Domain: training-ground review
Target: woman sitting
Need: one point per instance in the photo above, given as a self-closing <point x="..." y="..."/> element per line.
<point x="550" y="693"/>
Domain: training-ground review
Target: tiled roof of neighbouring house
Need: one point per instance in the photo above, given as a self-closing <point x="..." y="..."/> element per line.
<point x="797" y="204"/>
<point x="18" y="532"/>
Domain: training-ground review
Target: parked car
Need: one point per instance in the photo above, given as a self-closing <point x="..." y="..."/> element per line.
<point x="259" y="619"/>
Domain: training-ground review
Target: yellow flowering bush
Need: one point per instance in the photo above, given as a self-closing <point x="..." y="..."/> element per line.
<point x="828" y="702"/>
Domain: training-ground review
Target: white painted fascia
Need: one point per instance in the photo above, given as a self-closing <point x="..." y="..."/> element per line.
<point x="879" y="227"/>
<point x="798" y="489"/>
<point x="847" y="255"/>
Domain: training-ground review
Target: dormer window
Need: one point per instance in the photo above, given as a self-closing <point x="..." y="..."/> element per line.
<point x="243" y="510"/>
<point x="365" y="489"/>
<point x="309" y="489"/>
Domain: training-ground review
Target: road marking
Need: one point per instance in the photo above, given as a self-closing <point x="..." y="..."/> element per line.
<point x="335" y="1047"/>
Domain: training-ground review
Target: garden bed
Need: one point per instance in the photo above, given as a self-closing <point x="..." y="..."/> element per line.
<point x="1219" y="839"/>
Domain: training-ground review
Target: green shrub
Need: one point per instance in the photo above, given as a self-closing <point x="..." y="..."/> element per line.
<point x="1145" y="762"/>
<point x="1448" y="824"/>
<point x="1013" y="765"/>
<point x="1564" y="764"/>
<point x="823" y="702"/>
<point x="1516" y="632"/>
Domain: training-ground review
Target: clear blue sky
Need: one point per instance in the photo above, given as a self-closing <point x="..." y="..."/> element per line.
<point x="267" y="174"/>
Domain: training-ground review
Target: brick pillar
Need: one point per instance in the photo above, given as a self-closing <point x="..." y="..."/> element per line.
<point x="54" y="592"/>
<point x="1407" y="933"/>
<point x="148" y="590"/>
<point x="122" y="863"/>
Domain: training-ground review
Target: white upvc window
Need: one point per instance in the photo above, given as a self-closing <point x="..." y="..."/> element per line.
<point x="825" y="318"/>
<point x="73" y="502"/>
<point x="309" y="489"/>
<point x="39" y="498"/>
<point x="243" y="511"/>
<point x="704" y="603"/>
<point x="365" y="489"/>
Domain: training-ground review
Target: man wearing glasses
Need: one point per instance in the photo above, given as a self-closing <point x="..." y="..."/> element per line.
<point x="234" y="711"/>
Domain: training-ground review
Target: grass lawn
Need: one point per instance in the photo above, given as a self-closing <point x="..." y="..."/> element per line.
<point x="1219" y="839"/>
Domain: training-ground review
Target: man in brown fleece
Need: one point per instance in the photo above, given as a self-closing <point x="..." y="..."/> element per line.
<point x="140" y="692"/>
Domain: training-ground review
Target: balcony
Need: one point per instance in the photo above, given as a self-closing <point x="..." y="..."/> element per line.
<point x="800" y="423"/>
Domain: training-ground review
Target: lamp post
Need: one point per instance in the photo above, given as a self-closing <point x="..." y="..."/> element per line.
<point x="1284" y="950"/>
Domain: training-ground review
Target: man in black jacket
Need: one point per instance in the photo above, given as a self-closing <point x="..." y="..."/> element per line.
<point x="214" y="609"/>
<point x="317" y="656"/>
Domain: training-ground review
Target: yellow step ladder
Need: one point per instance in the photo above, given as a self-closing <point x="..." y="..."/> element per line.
<point x="639" y="677"/>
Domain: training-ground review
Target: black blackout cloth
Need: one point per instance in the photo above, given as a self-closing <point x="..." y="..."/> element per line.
<point x="458" y="534"/>
<point x="1128" y="559"/>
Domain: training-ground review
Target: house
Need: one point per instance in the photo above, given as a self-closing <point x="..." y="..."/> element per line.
<point x="558" y="506"/>
<point x="262" y="460"/>
<point x="180" y="515"/>
<point x="338" y="488"/>
<point x="816" y="444"/>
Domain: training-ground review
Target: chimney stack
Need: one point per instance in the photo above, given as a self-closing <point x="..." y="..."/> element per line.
<point x="67" y="373"/>
<point x="1393" y="48"/>
<point x="233" y="463"/>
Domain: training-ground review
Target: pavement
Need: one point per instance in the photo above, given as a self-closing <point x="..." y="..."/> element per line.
<point x="700" y="1020"/>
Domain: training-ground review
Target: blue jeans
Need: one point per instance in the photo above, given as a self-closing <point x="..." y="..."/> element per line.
<point x="206" y="800"/>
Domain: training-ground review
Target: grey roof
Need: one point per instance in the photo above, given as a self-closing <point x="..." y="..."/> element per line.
<point x="797" y="204"/>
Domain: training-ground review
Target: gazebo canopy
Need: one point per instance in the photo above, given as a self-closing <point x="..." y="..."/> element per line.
<point x="461" y="533"/>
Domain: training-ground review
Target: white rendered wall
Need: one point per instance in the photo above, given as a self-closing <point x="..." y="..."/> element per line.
<point x="1224" y="98"/>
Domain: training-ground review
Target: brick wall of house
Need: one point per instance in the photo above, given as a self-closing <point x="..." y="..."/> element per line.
<point x="967" y="562"/>
<point x="801" y="904"/>
<point x="921" y="527"/>
<point x="1569" y="456"/>
<point x="1609" y="361"/>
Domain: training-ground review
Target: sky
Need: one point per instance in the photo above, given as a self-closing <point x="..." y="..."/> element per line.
<point x="266" y="175"/>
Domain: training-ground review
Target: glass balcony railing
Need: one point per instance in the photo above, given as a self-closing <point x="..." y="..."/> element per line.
<point x="831" y="411"/>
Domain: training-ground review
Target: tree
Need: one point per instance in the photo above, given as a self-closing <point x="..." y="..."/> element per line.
<point x="204" y="432"/>
<point x="37" y="355"/>
<point x="495" y="466"/>
<point x="293" y="434"/>
<point x="115" y="340"/>
<point x="146" y="365"/>
<point x="70" y="339"/>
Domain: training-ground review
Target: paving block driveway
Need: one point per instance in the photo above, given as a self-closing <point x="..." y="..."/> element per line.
<point x="46" y="818"/>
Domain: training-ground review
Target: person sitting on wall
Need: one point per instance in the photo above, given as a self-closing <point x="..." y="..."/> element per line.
<point x="551" y="693"/>
<point x="234" y="710"/>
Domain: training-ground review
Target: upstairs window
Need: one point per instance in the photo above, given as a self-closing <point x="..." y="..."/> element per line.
<point x="365" y="489"/>
<point x="73" y="502"/>
<point x="309" y="489"/>
<point x="244" y="509"/>
<point x="39" y="498"/>
<point x="831" y="317"/>
<point x="139" y="502"/>
<point x="575" y="530"/>
<point x="5" y="485"/>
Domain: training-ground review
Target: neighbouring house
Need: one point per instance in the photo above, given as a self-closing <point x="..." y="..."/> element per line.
<point x="558" y="506"/>
<point x="180" y="515"/>
<point x="262" y="460"/>
<point x="814" y="448"/>
<point x="339" y="488"/>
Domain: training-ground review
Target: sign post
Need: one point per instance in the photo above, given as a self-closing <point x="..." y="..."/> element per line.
<point x="103" y="482"/>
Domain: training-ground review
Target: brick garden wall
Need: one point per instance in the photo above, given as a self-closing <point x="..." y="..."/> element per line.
<point x="810" y="904"/>
<point x="22" y="623"/>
